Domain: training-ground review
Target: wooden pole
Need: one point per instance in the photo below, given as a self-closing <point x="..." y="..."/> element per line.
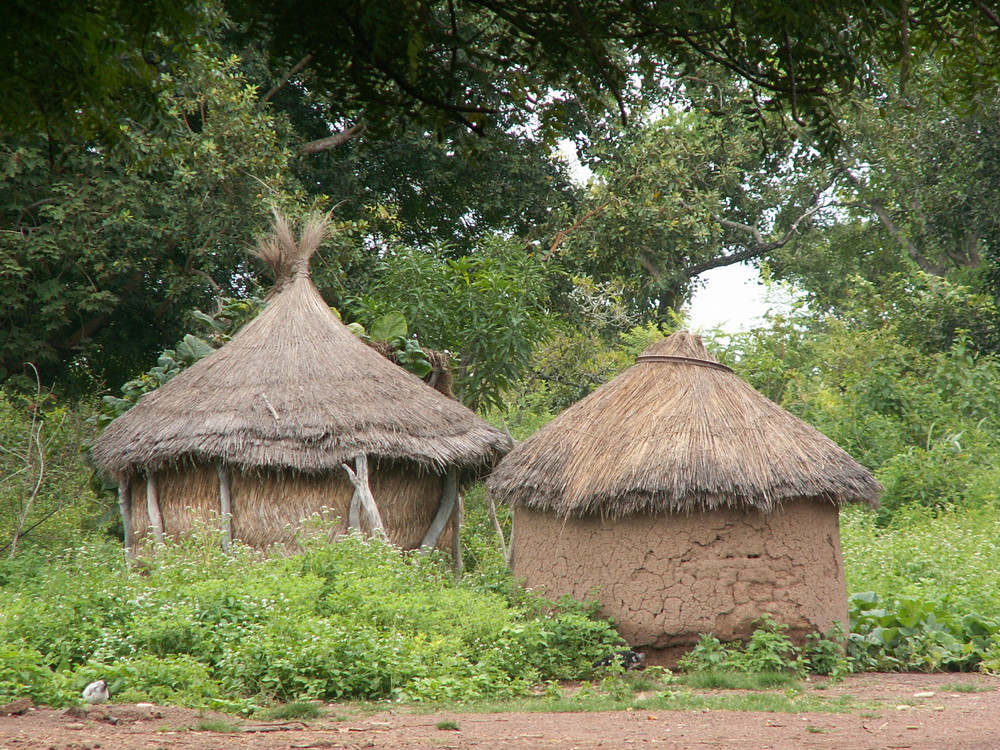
<point x="457" y="565"/>
<point x="125" y="507"/>
<point x="153" y="507"/>
<point x="354" y="513"/>
<point x="449" y="497"/>
<point x="496" y="524"/>
<point x="363" y="491"/>
<point x="225" y="507"/>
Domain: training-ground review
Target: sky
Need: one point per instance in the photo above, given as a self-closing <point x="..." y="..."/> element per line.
<point x="732" y="299"/>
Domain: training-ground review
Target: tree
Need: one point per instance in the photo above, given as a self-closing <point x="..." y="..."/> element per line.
<point x="916" y="190"/>
<point x="74" y="69"/>
<point x="467" y="61"/>
<point x="104" y="255"/>
<point x="695" y="189"/>
<point x="488" y="308"/>
<point x="382" y="62"/>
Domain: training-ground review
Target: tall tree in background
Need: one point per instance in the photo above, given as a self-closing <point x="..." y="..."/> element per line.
<point x="111" y="165"/>
<point x="103" y="256"/>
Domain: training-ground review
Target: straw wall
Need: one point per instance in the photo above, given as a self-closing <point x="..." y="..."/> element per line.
<point x="668" y="578"/>
<point x="267" y="507"/>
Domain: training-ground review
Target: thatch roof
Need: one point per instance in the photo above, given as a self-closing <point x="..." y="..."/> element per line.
<point x="295" y="389"/>
<point x="677" y="431"/>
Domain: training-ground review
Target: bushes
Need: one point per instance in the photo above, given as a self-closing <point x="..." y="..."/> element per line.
<point x="913" y="634"/>
<point x="930" y="600"/>
<point x="769" y="650"/>
<point x="45" y="494"/>
<point x="355" y="619"/>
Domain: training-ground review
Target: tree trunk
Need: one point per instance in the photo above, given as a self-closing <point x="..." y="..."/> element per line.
<point x="363" y="491"/>
<point x="125" y="507"/>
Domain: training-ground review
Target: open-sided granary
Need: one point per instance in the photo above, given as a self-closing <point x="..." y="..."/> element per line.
<point x="294" y="415"/>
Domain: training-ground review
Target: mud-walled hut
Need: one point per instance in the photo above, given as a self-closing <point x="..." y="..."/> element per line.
<point x="685" y="502"/>
<point x="293" y="415"/>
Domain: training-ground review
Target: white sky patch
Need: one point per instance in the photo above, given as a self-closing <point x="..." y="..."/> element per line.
<point x="731" y="298"/>
<point x="734" y="298"/>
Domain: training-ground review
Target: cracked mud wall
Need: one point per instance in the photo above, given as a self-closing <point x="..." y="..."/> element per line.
<point x="668" y="578"/>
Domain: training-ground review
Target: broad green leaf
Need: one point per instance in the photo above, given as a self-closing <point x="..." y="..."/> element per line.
<point x="192" y="348"/>
<point x="389" y="326"/>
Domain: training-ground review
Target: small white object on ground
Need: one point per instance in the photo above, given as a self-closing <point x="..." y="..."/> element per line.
<point x="96" y="692"/>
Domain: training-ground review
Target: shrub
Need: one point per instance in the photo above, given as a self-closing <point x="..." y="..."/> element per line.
<point x="769" y="651"/>
<point x="352" y="619"/>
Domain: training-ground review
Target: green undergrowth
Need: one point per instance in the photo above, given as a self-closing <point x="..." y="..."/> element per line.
<point x="355" y="619"/>
<point x="926" y="596"/>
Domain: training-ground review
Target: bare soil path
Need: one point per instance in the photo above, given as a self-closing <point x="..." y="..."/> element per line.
<point x="909" y="712"/>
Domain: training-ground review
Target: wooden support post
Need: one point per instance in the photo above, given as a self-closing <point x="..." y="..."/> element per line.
<point x="496" y="524"/>
<point x="225" y="507"/>
<point x="363" y="491"/>
<point x="457" y="565"/>
<point x="153" y="507"/>
<point x="125" y="507"/>
<point x="510" y="548"/>
<point x="449" y="497"/>
<point x="354" y="513"/>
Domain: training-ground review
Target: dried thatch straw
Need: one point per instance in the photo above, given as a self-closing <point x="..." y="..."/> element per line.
<point x="295" y="390"/>
<point x="677" y="431"/>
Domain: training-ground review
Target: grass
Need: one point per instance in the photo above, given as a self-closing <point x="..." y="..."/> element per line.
<point x="215" y="725"/>
<point x="964" y="687"/>
<point x="671" y="699"/>
<point x="727" y="680"/>
<point x="286" y="711"/>
<point x="448" y="726"/>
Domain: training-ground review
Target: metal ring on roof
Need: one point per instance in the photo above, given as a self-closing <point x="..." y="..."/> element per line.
<point x="682" y="361"/>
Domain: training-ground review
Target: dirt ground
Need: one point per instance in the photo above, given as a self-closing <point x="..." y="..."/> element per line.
<point x="912" y="711"/>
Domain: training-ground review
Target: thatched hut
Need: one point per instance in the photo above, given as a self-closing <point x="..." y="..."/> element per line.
<point x="293" y="415"/>
<point x="686" y="502"/>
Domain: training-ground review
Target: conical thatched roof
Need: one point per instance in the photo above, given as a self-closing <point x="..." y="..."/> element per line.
<point x="677" y="431"/>
<point x="295" y="389"/>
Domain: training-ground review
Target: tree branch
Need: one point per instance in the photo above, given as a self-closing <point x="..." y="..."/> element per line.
<point x="987" y="11"/>
<point x="925" y="264"/>
<point x="332" y="141"/>
<point x="287" y="77"/>
<point x="562" y="234"/>
<point x="759" y="246"/>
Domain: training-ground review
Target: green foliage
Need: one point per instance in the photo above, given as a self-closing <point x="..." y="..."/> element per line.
<point x="168" y="365"/>
<point x="24" y="674"/>
<point x="928" y="601"/>
<point x="68" y="63"/>
<point x="768" y="651"/>
<point x="924" y="420"/>
<point x="487" y="308"/>
<point x="107" y="249"/>
<point x="355" y="619"/>
<point x="45" y="493"/>
<point x="392" y="329"/>
<point x="949" y="556"/>
<point x="700" y="186"/>
<point x="910" y="634"/>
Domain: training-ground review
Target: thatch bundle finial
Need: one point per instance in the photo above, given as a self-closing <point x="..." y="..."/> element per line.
<point x="287" y="258"/>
